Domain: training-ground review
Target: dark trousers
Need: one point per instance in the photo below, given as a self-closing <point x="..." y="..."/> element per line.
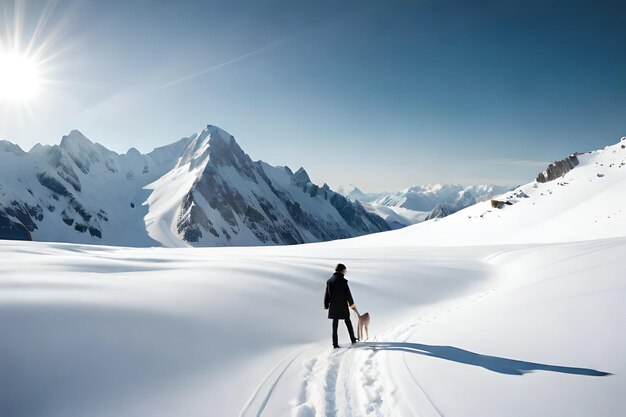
<point x="350" y="331"/>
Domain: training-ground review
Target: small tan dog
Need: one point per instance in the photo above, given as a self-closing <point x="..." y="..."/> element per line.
<point x="364" y="323"/>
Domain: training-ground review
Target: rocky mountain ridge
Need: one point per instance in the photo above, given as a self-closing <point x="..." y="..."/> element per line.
<point x="419" y="203"/>
<point x="202" y="190"/>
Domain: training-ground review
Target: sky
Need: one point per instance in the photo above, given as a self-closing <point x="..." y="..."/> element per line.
<point x="382" y="94"/>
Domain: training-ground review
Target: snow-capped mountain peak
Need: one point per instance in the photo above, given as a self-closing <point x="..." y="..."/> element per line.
<point x="201" y="190"/>
<point x="6" y="146"/>
<point x="349" y="189"/>
<point x="269" y="205"/>
<point x="301" y="177"/>
<point x="576" y="199"/>
<point x="132" y="152"/>
<point x="75" y="139"/>
<point x="418" y="203"/>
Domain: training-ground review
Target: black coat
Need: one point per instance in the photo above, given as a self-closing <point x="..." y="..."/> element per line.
<point x="338" y="297"/>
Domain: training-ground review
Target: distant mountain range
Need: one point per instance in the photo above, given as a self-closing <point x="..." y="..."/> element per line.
<point x="422" y="202"/>
<point x="203" y="190"/>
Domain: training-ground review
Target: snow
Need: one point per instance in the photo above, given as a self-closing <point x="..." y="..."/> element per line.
<point x="318" y="206"/>
<point x="396" y="216"/>
<point x="519" y="312"/>
<point x="414" y="204"/>
<point x="353" y="192"/>
<point x="421" y="197"/>
<point x="108" y="182"/>
<point x="163" y="203"/>
<point x="233" y="330"/>
<point x="578" y="206"/>
<point x="91" y="195"/>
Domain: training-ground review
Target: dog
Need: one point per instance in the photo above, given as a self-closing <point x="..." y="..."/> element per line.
<point x="364" y="323"/>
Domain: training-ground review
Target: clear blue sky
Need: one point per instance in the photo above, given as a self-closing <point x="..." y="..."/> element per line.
<point x="384" y="94"/>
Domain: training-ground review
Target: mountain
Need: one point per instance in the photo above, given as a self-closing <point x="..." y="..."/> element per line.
<point x="514" y="311"/>
<point x="577" y="198"/>
<point x="423" y="202"/>
<point x="466" y="197"/>
<point x="203" y="190"/>
<point x="353" y="192"/>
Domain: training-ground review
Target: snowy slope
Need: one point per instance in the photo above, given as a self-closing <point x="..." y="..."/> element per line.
<point x="497" y="327"/>
<point x="499" y="330"/>
<point x="397" y="217"/>
<point x="237" y="201"/>
<point x="587" y="202"/>
<point x="202" y="190"/>
<point x="353" y="192"/>
<point x="421" y="197"/>
<point x="81" y="191"/>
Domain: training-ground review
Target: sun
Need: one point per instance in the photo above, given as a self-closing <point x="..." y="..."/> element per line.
<point x="19" y="78"/>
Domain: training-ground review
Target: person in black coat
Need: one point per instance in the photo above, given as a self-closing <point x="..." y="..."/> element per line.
<point x="337" y="299"/>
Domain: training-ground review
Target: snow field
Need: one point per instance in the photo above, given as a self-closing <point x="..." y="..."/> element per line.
<point x="170" y="331"/>
<point x="500" y="330"/>
<point x="517" y="311"/>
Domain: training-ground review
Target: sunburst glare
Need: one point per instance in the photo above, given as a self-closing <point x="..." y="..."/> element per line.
<point x="27" y="61"/>
<point x="19" y="78"/>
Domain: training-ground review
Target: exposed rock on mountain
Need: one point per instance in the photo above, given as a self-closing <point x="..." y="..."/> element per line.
<point x="500" y="204"/>
<point x="558" y="169"/>
<point x="11" y="228"/>
<point x="201" y="190"/>
<point x="425" y="202"/>
<point x="440" y="211"/>
<point x="272" y="204"/>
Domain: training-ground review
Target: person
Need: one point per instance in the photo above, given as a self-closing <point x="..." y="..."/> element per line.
<point x="337" y="299"/>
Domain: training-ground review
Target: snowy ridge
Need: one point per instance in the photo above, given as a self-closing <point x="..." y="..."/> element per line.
<point x="353" y="192"/>
<point x="201" y="190"/>
<point x="423" y="202"/>
<point x="584" y="203"/>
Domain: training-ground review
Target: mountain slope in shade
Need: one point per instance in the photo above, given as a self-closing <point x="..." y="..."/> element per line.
<point x="238" y="200"/>
<point x="200" y="190"/>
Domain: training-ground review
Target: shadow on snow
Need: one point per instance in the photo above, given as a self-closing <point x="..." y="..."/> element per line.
<point x="492" y="363"/>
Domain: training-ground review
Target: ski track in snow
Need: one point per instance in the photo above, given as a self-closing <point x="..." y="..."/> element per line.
<point x="342" y="383"/>
<point x="349" y="382"/>
<point x="271" y="381"/>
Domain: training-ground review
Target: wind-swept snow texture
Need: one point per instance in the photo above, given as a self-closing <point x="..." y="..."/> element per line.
<point x="200" y="191"/>
<point x="488" y="327"/>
